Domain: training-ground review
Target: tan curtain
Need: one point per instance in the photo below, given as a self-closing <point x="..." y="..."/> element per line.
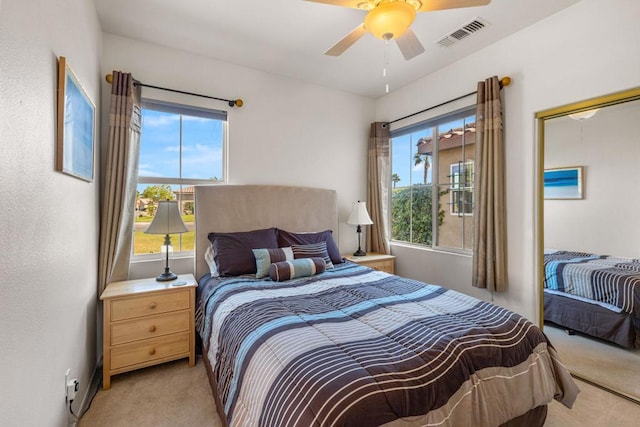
<point x="489" y="238"/>
<point x="378" y="181"/>
<point x="121" y="174"/>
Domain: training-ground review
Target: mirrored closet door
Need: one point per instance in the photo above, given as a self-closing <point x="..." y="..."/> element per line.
<point x="589" y="222"/>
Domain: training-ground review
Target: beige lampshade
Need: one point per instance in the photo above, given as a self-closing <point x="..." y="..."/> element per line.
<point x="167" y="219"/>
<point x="359" y="214"/>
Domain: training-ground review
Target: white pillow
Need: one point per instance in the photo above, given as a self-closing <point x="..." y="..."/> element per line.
<point x="209" y="258"/>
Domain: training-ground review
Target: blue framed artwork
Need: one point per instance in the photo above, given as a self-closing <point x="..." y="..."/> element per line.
<point x="563" y="183"/>
<point x="76" y="126"/>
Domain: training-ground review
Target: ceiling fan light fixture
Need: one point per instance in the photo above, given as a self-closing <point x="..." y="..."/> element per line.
<point x="584" y="115"/>
<point x="389" y="20"/>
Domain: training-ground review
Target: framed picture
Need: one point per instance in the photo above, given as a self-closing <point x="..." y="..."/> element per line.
<point x="76" y="126"/>
<point x="563" y="183"/>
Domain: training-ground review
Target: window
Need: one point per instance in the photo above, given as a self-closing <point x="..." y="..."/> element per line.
<point x="180" y="146"/>
<point x="461" y="188"/>
<point x="432" y="174"/>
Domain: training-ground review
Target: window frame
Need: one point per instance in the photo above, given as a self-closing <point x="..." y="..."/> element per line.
<point x="432" y="122"/>
<point x="184" y="110"/>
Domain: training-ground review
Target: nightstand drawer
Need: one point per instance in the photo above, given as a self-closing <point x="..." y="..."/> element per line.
<point x="149" y="350"/>
<point x="149" y="304"/>
<point x="382" y="265"/>
<point x="380" y="262"/>
<point x="149" y="327"/>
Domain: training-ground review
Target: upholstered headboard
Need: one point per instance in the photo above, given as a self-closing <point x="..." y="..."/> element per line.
<point x="230" y="208"/>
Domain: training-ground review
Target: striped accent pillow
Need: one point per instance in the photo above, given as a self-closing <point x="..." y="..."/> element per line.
<point x="266" y="257"/>
<point x="303" y="267"/>
<point x="288" y="238"/>
<point x="314" y="250"/>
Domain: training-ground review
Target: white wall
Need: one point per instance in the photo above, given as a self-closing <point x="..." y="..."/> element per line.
<point x="288" y="132"/>
<point x="583" y="51"/>
<point x="48" y="220"/>
<point x="607" y="146"/>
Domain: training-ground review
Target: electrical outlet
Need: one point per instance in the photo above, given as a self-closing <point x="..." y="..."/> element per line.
<point x="73" y="386"/>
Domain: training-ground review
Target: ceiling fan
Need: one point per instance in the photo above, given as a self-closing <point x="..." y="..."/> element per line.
<point x="391" y="20"/>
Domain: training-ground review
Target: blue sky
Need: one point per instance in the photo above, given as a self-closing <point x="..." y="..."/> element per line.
<point x="403" y="150"/>
<point x="160" y="146"/>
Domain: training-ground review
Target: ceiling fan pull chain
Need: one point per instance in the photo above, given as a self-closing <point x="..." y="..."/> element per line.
<point x="386" y="63"/>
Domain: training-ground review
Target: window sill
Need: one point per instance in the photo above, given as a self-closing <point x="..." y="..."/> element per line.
<point x="138" y="259"/>
<point x="465" y="254"/>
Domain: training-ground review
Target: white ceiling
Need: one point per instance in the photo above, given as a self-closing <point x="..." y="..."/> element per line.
<point x="289" y="37"/>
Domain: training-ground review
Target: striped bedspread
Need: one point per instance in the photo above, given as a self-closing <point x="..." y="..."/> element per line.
<point x="610" y="280"/>
<point x="358" y="347"/>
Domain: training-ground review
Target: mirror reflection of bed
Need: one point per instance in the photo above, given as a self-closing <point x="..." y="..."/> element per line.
<point x="591" y="298"/>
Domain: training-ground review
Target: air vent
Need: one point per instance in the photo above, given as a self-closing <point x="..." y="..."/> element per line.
<point x="475" y="25"/>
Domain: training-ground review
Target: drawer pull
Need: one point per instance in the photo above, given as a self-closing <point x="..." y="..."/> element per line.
<point x="152" y="351"/>
<point x="152" y="328"/>
<point x="152" y="305"/>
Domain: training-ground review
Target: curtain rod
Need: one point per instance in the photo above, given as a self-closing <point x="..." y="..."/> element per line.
<point x="232" y="102"/>
<point x="505" y="81"/>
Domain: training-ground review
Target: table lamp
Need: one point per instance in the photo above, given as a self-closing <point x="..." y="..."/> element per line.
<point x="167" y="221"/>
<point x="359" y="216"/>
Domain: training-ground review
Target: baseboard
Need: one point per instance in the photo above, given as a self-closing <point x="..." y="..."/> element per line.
<point x="91" y="390"/>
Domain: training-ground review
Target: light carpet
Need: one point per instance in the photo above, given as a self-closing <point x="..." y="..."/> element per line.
<point x="173" y="394"/>
<point x="603" y="363"/>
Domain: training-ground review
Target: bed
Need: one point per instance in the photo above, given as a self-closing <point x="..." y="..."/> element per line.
<point x="598" y="295"/>
<point x="348" y="345"/>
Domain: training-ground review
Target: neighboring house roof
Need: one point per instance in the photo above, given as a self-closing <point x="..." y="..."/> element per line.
<point x="448" y="140"/>
<point x="185" y="190"/>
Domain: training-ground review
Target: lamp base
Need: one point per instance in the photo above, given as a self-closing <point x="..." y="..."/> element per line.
<point x="359" y="252"/>
<point x="165" y="277"/>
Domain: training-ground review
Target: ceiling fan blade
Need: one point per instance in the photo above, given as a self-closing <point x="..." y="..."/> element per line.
<point x="353" y="4"/>
<point x="431" y="5"/>
<point x="409" y="44"/>
<point x="344" y="44"/>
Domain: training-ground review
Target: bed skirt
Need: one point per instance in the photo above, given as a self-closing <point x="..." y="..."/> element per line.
<point x="592" y="319"/>
<point x="214" y="388"/>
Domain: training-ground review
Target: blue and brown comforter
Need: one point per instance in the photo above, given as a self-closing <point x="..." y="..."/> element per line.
<point x="613" y="281"/>
<point x="358" y="347"/>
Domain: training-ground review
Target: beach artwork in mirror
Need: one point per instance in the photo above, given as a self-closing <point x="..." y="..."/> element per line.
<point x="590" y="238"/>
<point x="563" y="183"/>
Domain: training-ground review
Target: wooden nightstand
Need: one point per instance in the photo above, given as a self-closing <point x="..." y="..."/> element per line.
<point x="146" y="323"/>
<point x="376" y="261"/>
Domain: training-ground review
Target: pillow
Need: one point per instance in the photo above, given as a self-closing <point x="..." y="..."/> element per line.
<point x="233" y="251"/>
<point x="287" y="238"/>
<point x="315" y="250"/>
<point x="211" y="262"/>
<point x="266" y="257"/>
<point x="303" y="267"/>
